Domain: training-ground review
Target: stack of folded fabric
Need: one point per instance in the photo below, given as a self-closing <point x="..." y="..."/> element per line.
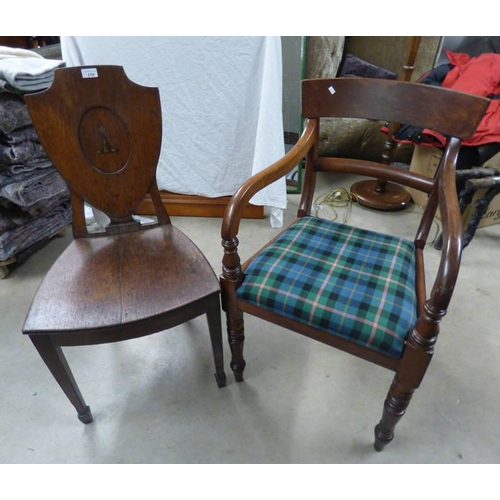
<point x="25" y="71"/>
<point x="34" y="200"/>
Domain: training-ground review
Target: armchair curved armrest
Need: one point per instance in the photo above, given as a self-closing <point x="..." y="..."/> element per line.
<point x="424" y="336"/>
<point x="234" y="210"/>
<point x="451" y="252"/>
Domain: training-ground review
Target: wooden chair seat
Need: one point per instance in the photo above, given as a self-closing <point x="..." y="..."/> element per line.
<point x="108" y="284"/>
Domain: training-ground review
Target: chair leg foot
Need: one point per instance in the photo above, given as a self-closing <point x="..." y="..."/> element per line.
<point x="238" y="369"/>
<point x="381" y="441"/>
<point x="220" y="378"/>
<point x="86" y="417"/>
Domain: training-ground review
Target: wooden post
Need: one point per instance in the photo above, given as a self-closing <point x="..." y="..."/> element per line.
<point x="380" y="194"/>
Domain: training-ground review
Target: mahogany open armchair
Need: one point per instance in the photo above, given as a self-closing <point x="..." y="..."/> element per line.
<point x="355" y="289"/>
<point x="103" y="133"/>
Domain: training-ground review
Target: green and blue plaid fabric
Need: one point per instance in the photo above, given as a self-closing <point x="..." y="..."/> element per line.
<point x="347" y="281"/>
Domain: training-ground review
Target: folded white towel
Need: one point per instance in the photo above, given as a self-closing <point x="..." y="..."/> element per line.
<point x="28" y="74"/>
<point x="7" y="52"/>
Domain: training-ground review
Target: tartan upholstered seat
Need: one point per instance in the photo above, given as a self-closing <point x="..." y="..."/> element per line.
<point x="347" y="281"/>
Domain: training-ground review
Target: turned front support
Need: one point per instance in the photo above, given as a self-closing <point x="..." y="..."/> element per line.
<point x="231" y="277"/>
<point x="416" y="358"/>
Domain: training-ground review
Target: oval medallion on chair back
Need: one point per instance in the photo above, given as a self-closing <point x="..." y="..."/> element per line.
<point x="115" y="153"/>
<point x="105" y="140"/>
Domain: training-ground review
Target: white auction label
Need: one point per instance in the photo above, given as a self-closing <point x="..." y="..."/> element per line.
<point x="89" y="73"/>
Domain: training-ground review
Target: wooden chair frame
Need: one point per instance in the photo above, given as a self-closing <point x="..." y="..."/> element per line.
<point x="103" y="134"/>
<point x="453" y="114"/>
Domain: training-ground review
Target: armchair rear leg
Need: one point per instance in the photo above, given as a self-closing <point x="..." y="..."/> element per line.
<point x="56" y="362"/>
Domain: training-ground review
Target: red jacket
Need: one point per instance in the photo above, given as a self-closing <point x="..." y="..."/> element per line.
<point x="479" y="76"/>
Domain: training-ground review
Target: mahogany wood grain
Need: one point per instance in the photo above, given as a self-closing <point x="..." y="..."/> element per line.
<point x="374" y="99"/>
<point x="111" y="282"/>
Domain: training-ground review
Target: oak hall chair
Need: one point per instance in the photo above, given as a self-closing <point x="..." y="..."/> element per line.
<point x="103" y="134"/>
<point x="351" y="288"/>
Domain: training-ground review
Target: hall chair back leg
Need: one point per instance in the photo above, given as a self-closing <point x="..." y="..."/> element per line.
<point x="103" y="133"/>
<point x="358" y="290"/>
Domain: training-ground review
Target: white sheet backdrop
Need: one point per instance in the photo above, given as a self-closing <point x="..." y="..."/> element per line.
<point x="221" y="102"/>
